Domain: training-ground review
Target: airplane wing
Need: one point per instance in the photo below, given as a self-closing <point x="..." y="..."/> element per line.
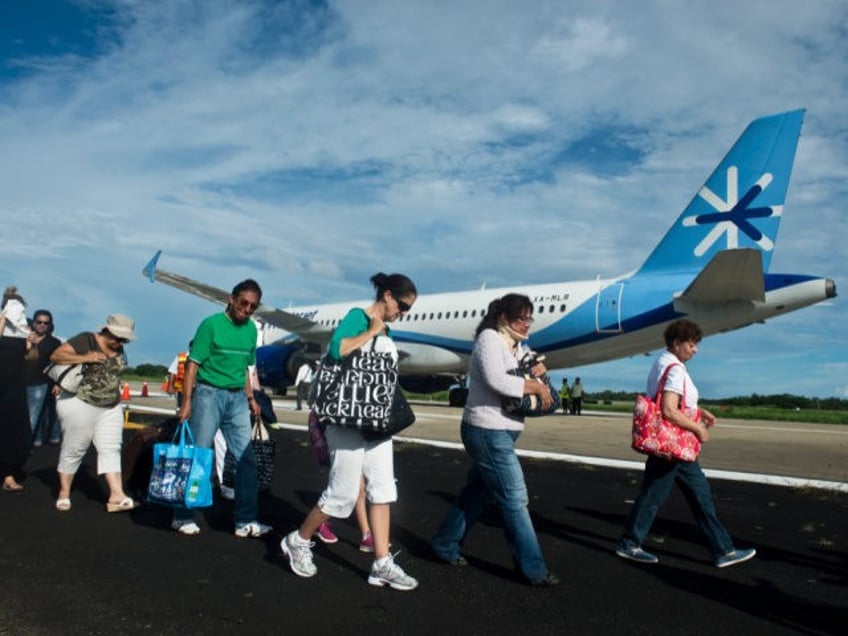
<point x="731" y="275"/>
<point x="269" y="315"/>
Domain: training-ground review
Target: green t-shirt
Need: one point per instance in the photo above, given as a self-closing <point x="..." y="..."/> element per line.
<point x="354" y="323"/>
<point x="223" y="350"/>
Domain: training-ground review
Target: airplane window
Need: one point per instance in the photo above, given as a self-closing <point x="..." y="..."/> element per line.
<point x="439" y="316"/>
<point x="431" y="315"/>
<point x="465" y="314"/>
<point x="541" y="309"/>
<point x="551" y="309"/>
<point x="456" y="314"/>
<point x="562" y="308"/>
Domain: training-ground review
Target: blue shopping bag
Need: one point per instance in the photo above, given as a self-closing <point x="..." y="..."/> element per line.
<point x="182" y="472"/>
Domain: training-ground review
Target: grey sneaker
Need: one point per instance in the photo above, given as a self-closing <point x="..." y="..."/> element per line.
<point x="735" y="556"/>
<point x="391" y="574"/>
<point x="636" y="554"/>
<point x="299" y="553"/>
<point x="252" y="529"/>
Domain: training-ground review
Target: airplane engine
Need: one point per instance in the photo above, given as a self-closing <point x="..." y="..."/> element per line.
<point x="276" y="365"/>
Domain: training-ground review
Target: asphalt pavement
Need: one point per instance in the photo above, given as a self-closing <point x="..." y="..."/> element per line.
<point x="89" y="572"/>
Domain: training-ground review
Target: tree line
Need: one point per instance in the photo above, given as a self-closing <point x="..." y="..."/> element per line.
<point x="779" y="400"/>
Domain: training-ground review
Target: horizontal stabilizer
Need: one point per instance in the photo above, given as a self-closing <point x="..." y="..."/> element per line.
<point x="731" y="275"/>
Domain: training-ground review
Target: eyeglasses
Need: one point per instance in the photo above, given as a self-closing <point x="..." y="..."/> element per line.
<point x="402" y="305"/>
<point x="527" y="321"/>
<point x="245" y="303"/>
<point x="42" y="322"/>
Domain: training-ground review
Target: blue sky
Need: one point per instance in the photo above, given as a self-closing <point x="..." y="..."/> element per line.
<point x="311" y="144"/>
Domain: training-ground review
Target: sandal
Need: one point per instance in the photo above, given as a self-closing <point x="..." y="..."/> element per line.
<point x="63" y="504"/>
<point x="10" y="484"/>
<point x="123" y="505"/>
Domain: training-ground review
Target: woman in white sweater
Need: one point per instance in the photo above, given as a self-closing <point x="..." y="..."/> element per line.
<point x="489" y="434"/>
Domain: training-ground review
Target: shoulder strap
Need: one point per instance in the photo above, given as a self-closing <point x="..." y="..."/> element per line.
<point x="663" y="378"/>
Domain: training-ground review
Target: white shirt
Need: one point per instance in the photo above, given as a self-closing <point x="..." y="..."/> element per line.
<point x="678" y="380"/>
<point x="304" y="374"/>
<point x="16" y="322"/>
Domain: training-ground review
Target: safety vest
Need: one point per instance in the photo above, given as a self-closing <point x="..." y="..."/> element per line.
<point x="180" y="376"/>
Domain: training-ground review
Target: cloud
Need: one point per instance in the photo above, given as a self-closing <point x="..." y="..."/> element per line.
<point x="310" y="144"/>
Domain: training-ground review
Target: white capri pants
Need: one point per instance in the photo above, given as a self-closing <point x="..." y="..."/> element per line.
<point x="351" y="458"/>
<point x="83" y="424"/>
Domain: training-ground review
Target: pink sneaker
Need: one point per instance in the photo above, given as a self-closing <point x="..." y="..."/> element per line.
<point x="325" y="533"/>
<point x="366" y="544"/>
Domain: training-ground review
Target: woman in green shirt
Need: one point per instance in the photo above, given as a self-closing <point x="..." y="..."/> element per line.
<point x="352" y="457"/>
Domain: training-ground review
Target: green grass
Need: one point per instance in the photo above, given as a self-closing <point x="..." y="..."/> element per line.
<point x="813" y="416"/>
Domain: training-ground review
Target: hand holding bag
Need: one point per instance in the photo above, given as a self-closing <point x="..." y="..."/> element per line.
<point x="264" y="448"/>
<point x="530" y="405"/>
<point x="182" y="472"/>
<point x="653" y="435"/>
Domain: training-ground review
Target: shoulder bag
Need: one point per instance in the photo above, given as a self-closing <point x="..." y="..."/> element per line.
<point x="653" y="435"/>
<point x="67" y="376"/>
<point x="360" y="392"/>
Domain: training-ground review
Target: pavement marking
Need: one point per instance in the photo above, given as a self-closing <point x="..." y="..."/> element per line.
<point x="730" y="475"/>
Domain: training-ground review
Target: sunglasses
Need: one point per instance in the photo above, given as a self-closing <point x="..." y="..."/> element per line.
<point x="243" y="302"/>
<point x="42" y="322"/>
<point x="403" y="306"/>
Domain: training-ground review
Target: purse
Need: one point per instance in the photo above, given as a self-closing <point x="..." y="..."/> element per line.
<point x="264" y="448"/>
<point x="358" y="391"/>
<point x="653" y="435"/>
<point x="530" y="405"/>
<point x="67" y="376"/>
<point x="317" y="440"/>
<point x="401" y="417"/>
<point x="182" y="472"/>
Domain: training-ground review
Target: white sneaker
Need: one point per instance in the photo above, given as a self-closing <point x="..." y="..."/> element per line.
<point x="252" y="529"/>
<point x="391" y="574"/>
<point x="188" y="528"/>
<point x="299" y="553"/>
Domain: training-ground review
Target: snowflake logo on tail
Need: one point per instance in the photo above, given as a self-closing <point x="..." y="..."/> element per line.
<point x="734" y="215"/>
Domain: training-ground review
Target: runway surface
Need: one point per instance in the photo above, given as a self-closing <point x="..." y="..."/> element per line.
<point x="89" y="572"/>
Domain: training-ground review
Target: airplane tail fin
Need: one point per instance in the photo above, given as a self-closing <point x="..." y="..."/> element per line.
<point x="741" y="203"/>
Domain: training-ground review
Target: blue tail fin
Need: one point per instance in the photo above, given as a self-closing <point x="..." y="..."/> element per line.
<point x="741" y="203"/>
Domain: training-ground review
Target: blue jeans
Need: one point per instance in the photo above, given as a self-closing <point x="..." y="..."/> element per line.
<point x="495" y="477"/>
<point x="212" y="408"/>
<point x="660" y="476"/>
<point x="36" y="400"/>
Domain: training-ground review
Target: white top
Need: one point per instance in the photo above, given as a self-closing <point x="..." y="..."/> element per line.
<point x="16" y="322"/>
<point x="304" y="374"/>
<point x="677" y="381"/>
<point x="490" y="382"/>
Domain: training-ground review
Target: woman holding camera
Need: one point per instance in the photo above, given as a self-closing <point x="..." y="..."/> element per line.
<point x="489" y="434"/>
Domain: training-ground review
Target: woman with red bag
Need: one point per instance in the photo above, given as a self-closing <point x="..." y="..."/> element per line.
<point x="681" y="340"/>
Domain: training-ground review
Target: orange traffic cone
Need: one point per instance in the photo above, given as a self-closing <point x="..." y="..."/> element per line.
<point x="125" y="393"/>
<point x="165" y="385"/>
<point x="144" y="389"/>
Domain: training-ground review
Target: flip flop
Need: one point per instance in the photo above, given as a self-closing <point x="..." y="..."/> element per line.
<point x="63" y="504"/>
<point x="123" y="505"/>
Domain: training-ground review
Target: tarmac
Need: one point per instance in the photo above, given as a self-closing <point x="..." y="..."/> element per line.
<point x="89" y="572"/>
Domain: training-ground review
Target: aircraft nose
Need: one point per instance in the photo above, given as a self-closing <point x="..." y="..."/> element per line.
<point x="830" y="288"/>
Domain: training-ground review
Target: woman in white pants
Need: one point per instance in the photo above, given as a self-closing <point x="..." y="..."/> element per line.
<point x="93" y="413"/>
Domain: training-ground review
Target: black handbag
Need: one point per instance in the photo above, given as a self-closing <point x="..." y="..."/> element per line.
<point x="530" y="405"/>
<point x="401" y="417"/>
<point x="264" y="448"/>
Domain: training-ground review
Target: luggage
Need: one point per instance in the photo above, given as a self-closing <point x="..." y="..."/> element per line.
<point x="137" y="454"/>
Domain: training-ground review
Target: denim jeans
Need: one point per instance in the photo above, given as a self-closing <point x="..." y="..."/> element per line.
<point x="213" y="408"/>
<point x="660" y="476"/>
<point x="36" y="401"/>
<point x="495" y="477"/>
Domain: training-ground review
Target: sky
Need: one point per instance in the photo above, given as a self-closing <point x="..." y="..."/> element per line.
<point x="310" y="144"/>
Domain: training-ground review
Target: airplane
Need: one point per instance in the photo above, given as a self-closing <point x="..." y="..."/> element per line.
<point x="712" y="267"/>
